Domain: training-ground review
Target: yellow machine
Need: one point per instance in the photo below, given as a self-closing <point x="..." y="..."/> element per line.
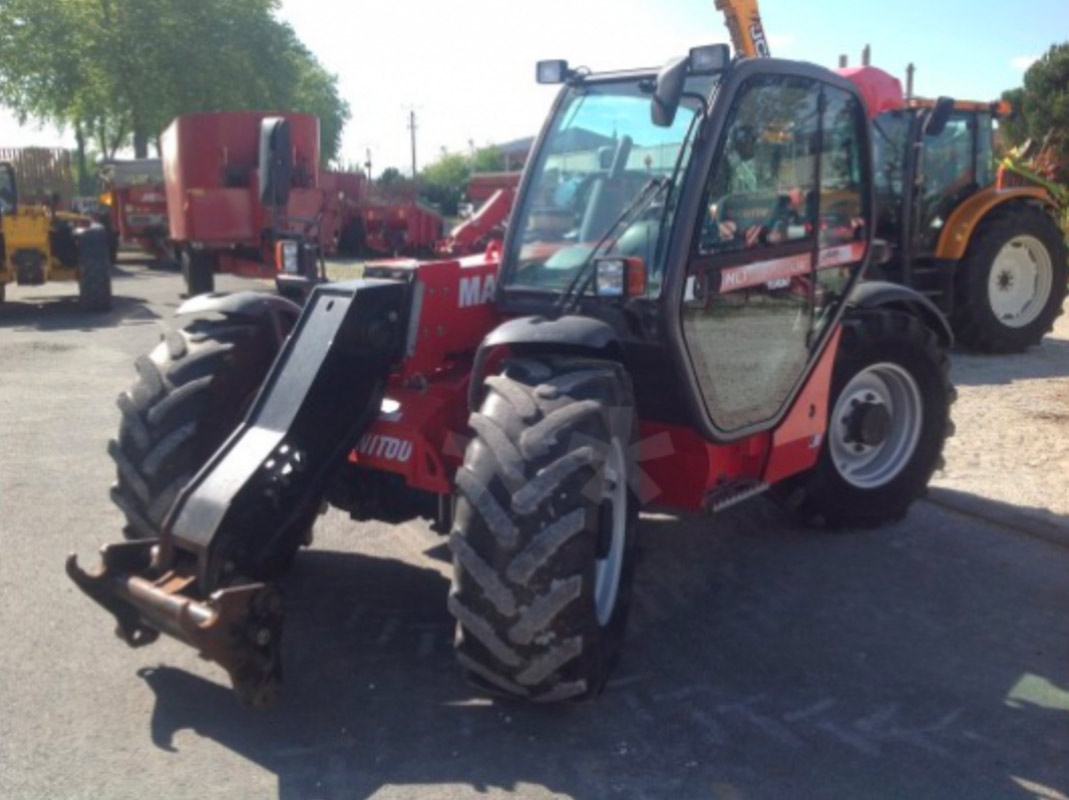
<point x="39" y="244"/>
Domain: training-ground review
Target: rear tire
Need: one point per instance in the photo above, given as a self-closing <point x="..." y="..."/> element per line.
<point x="198" y="271"/>
<point x="192" y="391"/>
<point x="1010" y="286"/>
<point x="351" y="241"/>
<point x="543" y="539"/>
<point x="889" y="418"/>
<point x="94" y="283"/>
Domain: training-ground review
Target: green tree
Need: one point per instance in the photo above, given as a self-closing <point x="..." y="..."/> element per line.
<point x="118" y="71"/>
<point x="487" y="159"/>
<point x="1013" y="130"/>
<point x="443" y="182"/>
<point x="389" y="177"/>
<point x="1043" y="101"/>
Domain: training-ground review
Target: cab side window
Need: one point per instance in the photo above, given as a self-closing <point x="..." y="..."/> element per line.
<point x="842" y="204"/>
<point x="761" y="192"/>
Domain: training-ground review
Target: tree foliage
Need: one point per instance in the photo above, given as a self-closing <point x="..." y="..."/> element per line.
<point x="118" y="71"/>
<point x="1043" y="101"/>
<point x="444" y="182"/>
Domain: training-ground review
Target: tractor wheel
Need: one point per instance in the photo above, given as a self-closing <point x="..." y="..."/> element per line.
<point x="890" y="415"/>
<point x="192" y="391"/>
<point x="94" y="282"/>
<point x="198" y="271"/>
<point x="351" y="241"/>
<point x="94" y="269"/>
<point x="1010" y="286"/>
<point x="113" y="246"/>
<point x="543" y="537"/>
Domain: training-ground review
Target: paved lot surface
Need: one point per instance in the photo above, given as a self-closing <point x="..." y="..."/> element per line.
<point x="926" y="660"/>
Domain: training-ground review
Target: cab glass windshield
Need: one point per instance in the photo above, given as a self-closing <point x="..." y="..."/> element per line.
<point x="603" y="180"/>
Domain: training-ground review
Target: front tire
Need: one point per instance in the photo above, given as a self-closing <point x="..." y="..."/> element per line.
<point x="191" y="392"/>
<point x="889" y="418"/>
<point x="543" y="539"/>
<point x="94" y="270"/>
<point x="94" y="284"/>
<point x="1010" y="286"/>
<point x="198" y="271"/>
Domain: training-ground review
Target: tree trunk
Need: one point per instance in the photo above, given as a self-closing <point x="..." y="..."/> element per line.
<point x="84" y="187"/>
<point x="140" y="144"/>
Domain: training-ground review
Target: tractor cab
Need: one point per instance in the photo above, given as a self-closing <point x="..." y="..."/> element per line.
<point x="923" y="173"/>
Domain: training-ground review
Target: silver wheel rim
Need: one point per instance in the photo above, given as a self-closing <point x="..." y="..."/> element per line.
<point x="871" y="466"/>
<point x="1020" y="281"/>
<point x="607" y="570"/>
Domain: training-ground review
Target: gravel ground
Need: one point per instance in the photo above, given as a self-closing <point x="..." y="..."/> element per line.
<point x="1012" y="418"/>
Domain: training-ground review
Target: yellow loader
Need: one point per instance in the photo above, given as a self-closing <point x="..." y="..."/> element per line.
<point x="40" y="244"/>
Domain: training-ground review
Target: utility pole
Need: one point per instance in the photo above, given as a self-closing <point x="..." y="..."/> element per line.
<point x="412" y="130"/>
<point x="367" y="164"/>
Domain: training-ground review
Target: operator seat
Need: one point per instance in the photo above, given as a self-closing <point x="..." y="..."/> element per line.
<point x="608" y="194"/>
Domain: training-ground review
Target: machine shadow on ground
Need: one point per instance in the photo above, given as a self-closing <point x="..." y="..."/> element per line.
<point x="56" y="307"/>
<point x="762" y="662"/>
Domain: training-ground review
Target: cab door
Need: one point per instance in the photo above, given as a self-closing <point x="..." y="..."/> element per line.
<point x="780" y="237"/>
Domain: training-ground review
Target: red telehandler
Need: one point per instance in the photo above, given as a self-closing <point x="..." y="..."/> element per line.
<point x="672" y="323"/>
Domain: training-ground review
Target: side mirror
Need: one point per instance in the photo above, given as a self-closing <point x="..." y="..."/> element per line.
<point x="276" y="161"/>
<point x="668" y="91"/>
<point x="615" y="276"/>
<point x="936" y="121"/>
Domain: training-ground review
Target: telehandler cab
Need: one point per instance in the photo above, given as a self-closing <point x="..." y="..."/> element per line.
<point x="669" y="321"/>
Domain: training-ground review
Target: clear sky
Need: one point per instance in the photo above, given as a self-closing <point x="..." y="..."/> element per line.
<point x="467" y="67"/>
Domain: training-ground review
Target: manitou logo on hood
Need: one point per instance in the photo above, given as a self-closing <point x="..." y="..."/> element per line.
<point x="478" y="290"/>
<point x="375" y="445"/>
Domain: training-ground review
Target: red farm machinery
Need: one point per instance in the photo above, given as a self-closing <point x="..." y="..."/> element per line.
<point x="668" y="326"/>
<point x="135" y="199"/>
<point x="491" y="195"/>
<point x="223" y="216"/>
<point x="222" y="220"/>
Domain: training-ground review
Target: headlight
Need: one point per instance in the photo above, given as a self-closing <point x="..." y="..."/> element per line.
<point x="287" y="257"/>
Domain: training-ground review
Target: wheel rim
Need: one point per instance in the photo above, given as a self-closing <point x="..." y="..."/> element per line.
<point x="883" y="388"/>
<point x="1020" y="281"/>
<point x="607" y="568"/>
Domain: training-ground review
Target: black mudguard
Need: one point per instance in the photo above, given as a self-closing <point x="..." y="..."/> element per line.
<point x="881" y="294"/>
<point x="277" y="312"/>
<point x="570" y="334"/>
